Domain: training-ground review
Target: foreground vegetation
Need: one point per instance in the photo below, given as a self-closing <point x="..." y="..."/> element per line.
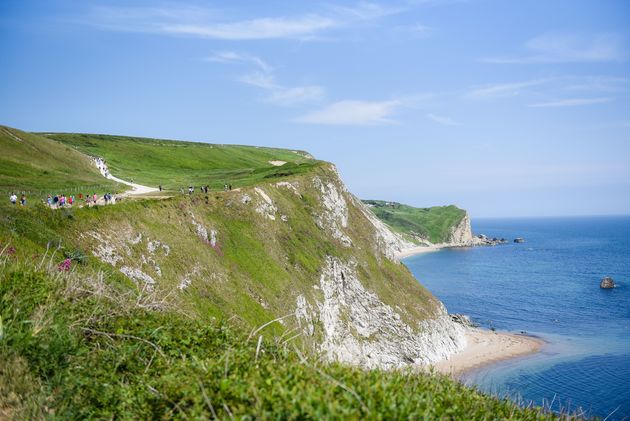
<point x="76" y="345"/>
<point x="433" y="224"/>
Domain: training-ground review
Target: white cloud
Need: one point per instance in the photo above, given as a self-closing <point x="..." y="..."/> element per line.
<point x="502" y="90"/>
<point x="206" y="23"/>
<point x="562" y="48"/>
<point x="263" y="28"/>
<point x="353" y="113"/>
<point x="265" y="79"/>
<point x="572" y="102"/>
<point x="444" y="121"/>
<point x="234" y="57"/>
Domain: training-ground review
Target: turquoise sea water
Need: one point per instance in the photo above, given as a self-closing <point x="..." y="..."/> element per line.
<point x="549" y="287"/>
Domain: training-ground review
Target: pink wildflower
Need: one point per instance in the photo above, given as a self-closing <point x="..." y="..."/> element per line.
<point x="65" y="265"/>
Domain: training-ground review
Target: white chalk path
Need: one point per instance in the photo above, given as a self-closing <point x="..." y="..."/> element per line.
<point x="137" y="189"/>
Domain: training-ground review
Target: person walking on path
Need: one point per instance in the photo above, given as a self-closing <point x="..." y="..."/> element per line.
<point x="13" y="198"/>
<point x="49" y="201"/>
<point x="23" y="200"/>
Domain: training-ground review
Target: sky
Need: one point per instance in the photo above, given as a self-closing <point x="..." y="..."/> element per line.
<point x="503" y="108"/>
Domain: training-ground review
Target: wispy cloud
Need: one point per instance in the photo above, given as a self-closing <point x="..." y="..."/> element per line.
<point x="206" y="23"/>
<point x="563" y="48"/>
<point x="444" y="121"/>
<point x="502" y="90"/>
<point x="571" y="102"/>
<point x="353" y="113"/>
<point x="264" y="78"/>
<point x="234" y="57"/>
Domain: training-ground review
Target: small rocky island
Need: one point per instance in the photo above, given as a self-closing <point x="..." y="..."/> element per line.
<point x="607" y="283"/>
<point x="519" y="240"/>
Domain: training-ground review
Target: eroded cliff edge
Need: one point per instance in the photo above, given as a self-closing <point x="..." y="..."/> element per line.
<point x="303" y="249"/>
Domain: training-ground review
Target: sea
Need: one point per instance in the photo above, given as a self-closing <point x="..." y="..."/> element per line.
<point x="547" y="286"/>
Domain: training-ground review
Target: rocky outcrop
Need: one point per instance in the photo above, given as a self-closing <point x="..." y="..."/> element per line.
<point x="461" y="234"/>
<point x="359" y="329"/>
<point x="607" y="283"/>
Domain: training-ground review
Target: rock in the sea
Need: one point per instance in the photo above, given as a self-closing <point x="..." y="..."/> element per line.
<point x="519" y="240"/>
<point x="607" y="283"/>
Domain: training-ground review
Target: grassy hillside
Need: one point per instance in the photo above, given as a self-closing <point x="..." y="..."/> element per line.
<point x="77" y="345"/>
<point x="176" y="164"/>
<point x="433" y="224"/>
<point x="39" y="166"/>
<point x="143" y="310"/>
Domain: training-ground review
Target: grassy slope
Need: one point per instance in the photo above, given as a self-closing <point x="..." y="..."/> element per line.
<point x="433" y="223"/>
<point x="41" y="166"/>
<point x="75" y="348"/>
<point x="176" y="164"/>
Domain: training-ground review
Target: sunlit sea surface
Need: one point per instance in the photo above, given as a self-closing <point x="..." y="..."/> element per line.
<point x="548" y="287"/>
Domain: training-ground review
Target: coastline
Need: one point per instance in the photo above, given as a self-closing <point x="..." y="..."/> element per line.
<point x="485" y="347"/>
<point x="412" y="251"/>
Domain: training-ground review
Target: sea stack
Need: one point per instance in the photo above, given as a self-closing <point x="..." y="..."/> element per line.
<point x="519" y="240"/>
<point x="607" y="283"/>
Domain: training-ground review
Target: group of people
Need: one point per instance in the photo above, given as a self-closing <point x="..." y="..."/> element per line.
<point x="203" y="189"/>
<point x="13" y="198"/>
<point x="61" y="201"/>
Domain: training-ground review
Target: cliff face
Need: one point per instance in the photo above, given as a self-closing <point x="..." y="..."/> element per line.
<point x="304" y="250"/>
<point x="461" y="234"/>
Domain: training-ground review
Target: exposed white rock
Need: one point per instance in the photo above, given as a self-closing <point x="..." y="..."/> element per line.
<point x="360" y="329"/>
<point x="213" y="238"/>
<point x="105" y="250"/>
<point x="185" y="283"/>
<point x="265" y="206"/>
<point x="201" y="231"/>
<point x="335" y="216"/>
<point x="277" y="163"/>
<point x="138" y="276"/>
<point x="461" y="234"/>
<point x="245" y="199"/>
<point x="291" y="186"/>
<point x="136" y="240"/>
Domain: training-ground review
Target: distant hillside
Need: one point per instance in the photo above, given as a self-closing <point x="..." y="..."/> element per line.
<point x="39" y="166"/>
<point x="435" y="224"/>
<point x="177" y="164"/>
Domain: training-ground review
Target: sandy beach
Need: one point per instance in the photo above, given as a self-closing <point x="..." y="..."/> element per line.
<point x="416" y="250"/>
<point x="486" y="347"/>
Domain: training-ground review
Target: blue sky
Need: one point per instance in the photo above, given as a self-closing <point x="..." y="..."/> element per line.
<point x="503" y="108"/>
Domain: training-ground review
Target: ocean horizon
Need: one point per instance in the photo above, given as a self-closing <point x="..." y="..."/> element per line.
<point x="547" y="287"/>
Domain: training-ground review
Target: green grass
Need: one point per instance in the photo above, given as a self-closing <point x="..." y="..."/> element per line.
<point x="177" y="164"/>
<point x="433" y="224"/>
<point x="39" y="166"/>
<point x="72" y="348"/>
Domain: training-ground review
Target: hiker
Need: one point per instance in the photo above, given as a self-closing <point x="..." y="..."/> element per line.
<point x="230" y="187"/>
<point x="191" y="189"/>
<point x="160" y="186"/>
<point x="13" y="198"/>
<point x="225" y="187"/>
<point x="49" y="201"/>
<point x="62" y="201"/>
<point x="94" y="198"/>
<point x="55" y="200"/>
<point x="70" y="200"/>
<point x="80" y="196"/>
<point x="23" y="199"/>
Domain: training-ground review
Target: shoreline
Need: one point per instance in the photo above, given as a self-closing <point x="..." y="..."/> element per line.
<point x="412" y="251"/>
<point x="485" y="347"/>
